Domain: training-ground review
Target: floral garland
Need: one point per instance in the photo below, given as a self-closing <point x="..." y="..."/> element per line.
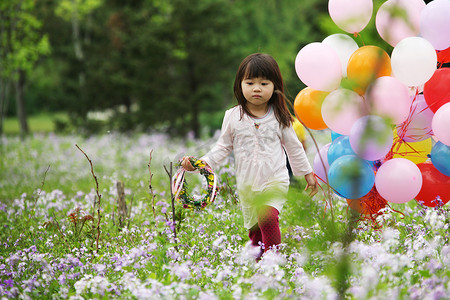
<point x="179" y="185"/>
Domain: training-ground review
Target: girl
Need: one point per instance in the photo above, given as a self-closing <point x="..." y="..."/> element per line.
<point x="259" y="131"/>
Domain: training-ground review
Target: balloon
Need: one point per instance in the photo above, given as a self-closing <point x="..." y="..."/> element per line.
<point x="307" y="105"/>
<point x="417" y="126"/>
<point x="398" y="180"/>
<point x="413" y="61"/>
<point x="299" y="130"/>
<point x="344" y="47"/>
<point x="435" y="184"/>
<point x="435" y="23"/>
<point x="441" y="124"/>
<point x="351" y="16"/>
<point x="437" y="90"/>
<point x="371" y="137"/>
<point x="334" y="135"/>
<point x="416" y="152"/>
<point x="351" y="177"/>
<point x="389" y="98"/>
<point x="365" y="65"/>
<point x="443" y="56"/>
<point x="321" y="169"/>
<point x="398" y="19"/>
<point x="339" y="147"/>
<point x="340" y="109"/>
<point x="440" y="157"/>
<point x="318" y="66"/>
<point x="368" y="204"/>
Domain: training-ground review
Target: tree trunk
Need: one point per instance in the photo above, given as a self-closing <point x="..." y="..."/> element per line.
<point x="77" y="46"/>
<point x="193" y="86"/>
<point x="20" y="102"/>
<point x="3" y="94"/>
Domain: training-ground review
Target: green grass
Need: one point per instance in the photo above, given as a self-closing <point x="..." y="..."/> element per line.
<point x="47" y="239"/>
<point x="43" y="123"/>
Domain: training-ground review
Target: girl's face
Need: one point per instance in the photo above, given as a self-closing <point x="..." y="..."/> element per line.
<point x="257" y="91"/>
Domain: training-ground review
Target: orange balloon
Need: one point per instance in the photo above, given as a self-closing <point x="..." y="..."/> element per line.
<point x="308" y="107"/>
<point x="367" y="64"/>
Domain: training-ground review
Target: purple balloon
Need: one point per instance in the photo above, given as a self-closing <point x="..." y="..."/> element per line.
<point x="371" y="137"/>
<point x="321" y="169"/>
<point x="417" y="126"/>
<point x="435" y="24"/>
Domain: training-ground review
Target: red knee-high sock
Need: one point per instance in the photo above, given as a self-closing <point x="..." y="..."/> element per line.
<point x="269" y="226"/>
<point x="255" y="235"/>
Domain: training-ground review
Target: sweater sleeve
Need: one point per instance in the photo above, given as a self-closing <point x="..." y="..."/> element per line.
<point x="295" y="152"/>
<point x="223" y="146"/>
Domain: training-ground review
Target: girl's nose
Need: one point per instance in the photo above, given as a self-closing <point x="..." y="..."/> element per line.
<point x="256" y="87"/>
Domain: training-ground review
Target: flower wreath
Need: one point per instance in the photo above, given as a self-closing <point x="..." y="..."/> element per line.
<point x="179" y="185"/>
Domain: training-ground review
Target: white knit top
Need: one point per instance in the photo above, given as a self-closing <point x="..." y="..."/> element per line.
<point x="260" y="146"/>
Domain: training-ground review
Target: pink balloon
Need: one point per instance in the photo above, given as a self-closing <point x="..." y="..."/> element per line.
<point x="389" y="97"/>
<point x="398" y="19"/>
<point x="441" y="124"/>
<point x="340" y="110"/>
<point x="398" y="180"/>
<point x="417" y="126"/>
<point x="350" y="15"/>
<point x="318" y="66"/>
<point x="435" y="23"/>
<point x="371" y="137"/>
<point x="321" y="169"/>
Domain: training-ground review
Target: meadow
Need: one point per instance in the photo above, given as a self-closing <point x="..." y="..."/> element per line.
<point x="65" y="238"/>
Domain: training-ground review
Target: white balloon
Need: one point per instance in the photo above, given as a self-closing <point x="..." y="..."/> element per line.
<point x="413" y="61"/>
<point x="344" y="47"/>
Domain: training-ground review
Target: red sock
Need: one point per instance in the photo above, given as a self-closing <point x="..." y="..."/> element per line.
<point x="269" y="227"/>
<point x="255" y="235"/>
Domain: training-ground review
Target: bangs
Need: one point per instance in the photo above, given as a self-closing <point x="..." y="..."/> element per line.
<point x="259" y="68"/>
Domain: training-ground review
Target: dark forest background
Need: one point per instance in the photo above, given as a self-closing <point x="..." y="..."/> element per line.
<point x="147" y="64"/>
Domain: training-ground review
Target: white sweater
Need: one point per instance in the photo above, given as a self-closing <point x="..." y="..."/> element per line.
<point x="260" y="159"/>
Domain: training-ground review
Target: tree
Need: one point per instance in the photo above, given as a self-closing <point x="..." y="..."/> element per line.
<point x="21" y="46"/>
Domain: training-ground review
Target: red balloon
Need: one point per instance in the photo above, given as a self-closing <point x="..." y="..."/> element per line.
<point x="443" y="56"/>
<point x="434" y="184"/>
<point x="437" y="90"/>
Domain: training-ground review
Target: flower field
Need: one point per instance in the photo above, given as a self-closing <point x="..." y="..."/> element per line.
<point x="64" y="238"/>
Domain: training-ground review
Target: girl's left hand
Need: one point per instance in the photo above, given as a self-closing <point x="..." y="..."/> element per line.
<point x="311" y="184"/>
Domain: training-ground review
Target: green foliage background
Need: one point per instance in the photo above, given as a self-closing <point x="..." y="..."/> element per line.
<point x="159" y="64"/>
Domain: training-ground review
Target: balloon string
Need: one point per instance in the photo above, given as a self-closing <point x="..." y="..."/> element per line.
<point x="356" y="35"/>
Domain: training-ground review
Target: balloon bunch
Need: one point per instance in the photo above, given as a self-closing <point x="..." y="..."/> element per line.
<point x="383" y="127"/>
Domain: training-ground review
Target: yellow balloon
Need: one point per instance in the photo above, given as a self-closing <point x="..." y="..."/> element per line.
<point x="299" y="129"/>
<point x="416" y="152"/>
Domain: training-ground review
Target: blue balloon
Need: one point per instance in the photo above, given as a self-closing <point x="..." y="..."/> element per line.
<point x="351" y="177"/>
<point x="334" y="135"/>
<point x="339" y="147"/>
<point x="440" y="157"/>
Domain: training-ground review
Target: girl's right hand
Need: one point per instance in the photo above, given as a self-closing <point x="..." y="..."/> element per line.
<point x="186" y="164"/>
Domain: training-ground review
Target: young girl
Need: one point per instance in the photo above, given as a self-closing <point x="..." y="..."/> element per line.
<point x="259" y="131"/>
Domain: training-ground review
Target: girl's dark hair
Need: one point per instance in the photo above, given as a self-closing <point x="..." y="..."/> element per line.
<point x="265" y="66"/>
